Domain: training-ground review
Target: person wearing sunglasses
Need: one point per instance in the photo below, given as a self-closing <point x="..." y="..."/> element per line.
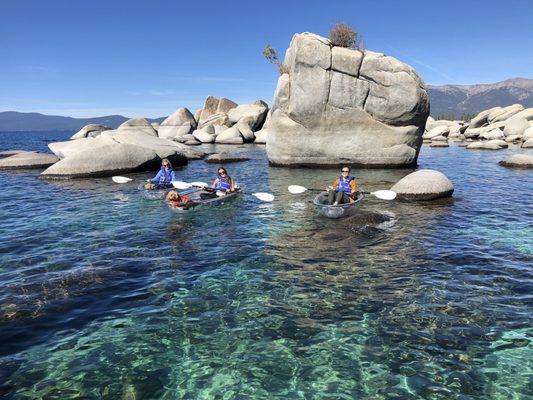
<point x="223" y="183"/>
<point x="164" y="177"/>
<point x="344" y="188"/>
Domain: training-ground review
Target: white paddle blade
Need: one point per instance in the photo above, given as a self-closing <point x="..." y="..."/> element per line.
<point x="264" y="196"/>
<point x="181" y="185"/>
<point x="295" y="189"/>
<point x="384" y="194"/>
<point x="199" y="184"/>
<point x="121" y="179"/>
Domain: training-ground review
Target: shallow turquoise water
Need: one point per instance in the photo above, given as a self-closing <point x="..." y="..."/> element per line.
<point x="106" y="295"/>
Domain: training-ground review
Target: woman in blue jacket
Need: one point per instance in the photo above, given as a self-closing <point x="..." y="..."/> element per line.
<point x="164" y="177"/>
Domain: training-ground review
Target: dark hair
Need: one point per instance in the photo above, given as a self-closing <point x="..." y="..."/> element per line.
<point x="346" y="166"/>
<point x="223" y="169"/>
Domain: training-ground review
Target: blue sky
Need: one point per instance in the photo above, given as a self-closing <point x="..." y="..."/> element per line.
<point x="148" y="58"/>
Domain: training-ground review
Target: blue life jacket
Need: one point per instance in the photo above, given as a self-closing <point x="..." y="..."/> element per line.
<point x="165" y="177"/>
<point x="223" y="184"/>
<point x="344" y="184"/>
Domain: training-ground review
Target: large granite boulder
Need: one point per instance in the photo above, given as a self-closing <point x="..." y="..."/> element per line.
<point x="254" y="114"/>
<point x="215" y="111"/>
<point x="72" y="147"/>
<point x="528" y="133"/>
<point x="337" y="106"/>
<point x="91" y="130"/>
<point x="203" y="136"/>
<point x="493" y="134"/>
<point x="28" y="160"/>
<point x="181" y="122"/>
<point x="8" y="153"/>
<point x="112" y="159"/>
<point x="502" y="113"/>
<point x="528" y="144"/>
<point x="424" y="184"/>
<point x="138" y="124"/>
<point x="164" y="148"/>
<point x="230" y="136"/>
<point x="442" y="130"/>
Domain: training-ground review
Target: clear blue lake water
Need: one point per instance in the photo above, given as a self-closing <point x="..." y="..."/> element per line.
<point x="105" y="295"/>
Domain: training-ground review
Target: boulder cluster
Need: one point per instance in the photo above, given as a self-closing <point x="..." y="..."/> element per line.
<point x="137" y="145"/>
<point x="492" y="129"/>
<point x="218" y="121"/>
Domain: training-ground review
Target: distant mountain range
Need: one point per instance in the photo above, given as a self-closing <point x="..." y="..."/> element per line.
<point x="452" y="101"/>
<point x="17" y="121"/>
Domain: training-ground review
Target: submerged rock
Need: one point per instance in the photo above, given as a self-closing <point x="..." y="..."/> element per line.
<point x="424" y="184"/>
<point x="439" y="144"/>
<point x="28" y="160"/>
<point x="339" y="106"/>
<point x="518" y="161"/>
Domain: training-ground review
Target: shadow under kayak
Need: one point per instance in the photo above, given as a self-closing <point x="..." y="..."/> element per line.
<point x="201" y="203"/>
<point x="338" y="211"/>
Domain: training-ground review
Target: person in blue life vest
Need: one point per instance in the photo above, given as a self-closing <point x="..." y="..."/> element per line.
<point x="164" y="177"/>
<point x="222" y="184"/>
<point x="344" y="188"/>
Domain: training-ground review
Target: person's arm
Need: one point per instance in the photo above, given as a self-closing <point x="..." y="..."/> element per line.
<point x="232" y="185"/>
<point x="157" y="177"/>
<point x="335" y="183"/>
<point x="172" y="176"/>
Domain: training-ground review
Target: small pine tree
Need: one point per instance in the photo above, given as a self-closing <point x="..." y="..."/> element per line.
<point x="272" y="57"/>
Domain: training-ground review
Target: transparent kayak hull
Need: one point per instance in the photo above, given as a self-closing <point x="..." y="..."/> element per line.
<point x="338" y="211"/>
<point x="201" y="204"/>
<point x="152" y="194"/>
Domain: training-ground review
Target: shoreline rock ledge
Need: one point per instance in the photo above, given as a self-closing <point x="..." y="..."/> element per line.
<point x="340" y="106"/>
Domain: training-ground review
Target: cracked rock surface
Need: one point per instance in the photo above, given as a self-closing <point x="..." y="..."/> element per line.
<point x="335" y="105"/>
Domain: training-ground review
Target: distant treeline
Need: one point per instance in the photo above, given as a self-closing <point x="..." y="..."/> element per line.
<point x="453" y="116"/>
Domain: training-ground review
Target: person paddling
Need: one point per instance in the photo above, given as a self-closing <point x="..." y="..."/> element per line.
<point x="344" y="188"/>
<point x="164" y="177"/>
<point x="222" y="184"/>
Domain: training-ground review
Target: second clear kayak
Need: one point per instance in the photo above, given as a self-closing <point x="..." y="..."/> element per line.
<point x="338" y="211"/>
<point x="199" y="203"/>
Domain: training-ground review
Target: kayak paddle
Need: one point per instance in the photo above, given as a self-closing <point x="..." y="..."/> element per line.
<point x="187" y="185"/>
<point x="264" y="196"/>
<point x="380" y="194"/>
<point x="121" y="179"/>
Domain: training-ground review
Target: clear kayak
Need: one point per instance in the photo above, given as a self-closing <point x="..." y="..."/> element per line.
<point x="204" y="203"/>
<point x="338" y="211"/>
<point x="153" y="194"/>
